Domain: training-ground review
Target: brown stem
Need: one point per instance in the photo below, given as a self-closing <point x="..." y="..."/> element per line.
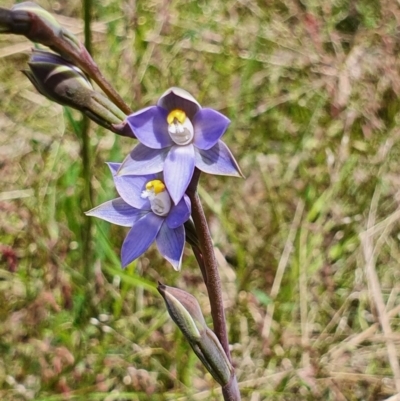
<point x="37" y="28"/>
<point x="231" y="390"/>
<point x="79" y="57"/>
<point x="86" y="62"/>
<point x="211" y="268"/>
<point x="199" y="257"/>
<point x="213" y="281"/>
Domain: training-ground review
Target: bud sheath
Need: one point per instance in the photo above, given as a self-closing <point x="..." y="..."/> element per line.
<point x="186" y="313"/>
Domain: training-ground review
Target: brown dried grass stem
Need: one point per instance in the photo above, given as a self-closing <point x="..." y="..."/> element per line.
<point x="368" y="248"/>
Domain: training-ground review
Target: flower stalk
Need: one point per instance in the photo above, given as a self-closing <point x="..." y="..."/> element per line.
<point x="212" y="281"/>
<point x="39" y="26"/>
<point x="87" y="163"/>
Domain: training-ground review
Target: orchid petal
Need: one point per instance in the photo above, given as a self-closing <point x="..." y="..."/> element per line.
<point x="179" y="213"/>
<point x="150" y="127"/>
<point x="177" y="98"/>
<point x="130" y="188"/>
<point x="117" y="211"/>
<point x="140" y="237"/>
<point x="114" y="167"/>
<point x="170" y="243"/>
<point x="209" y="125"/>
<point x="178" y="170"/>
<point x="143" y="160"/>
<point x="217" y="160"/>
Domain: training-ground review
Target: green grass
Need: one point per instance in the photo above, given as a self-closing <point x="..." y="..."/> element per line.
<point x="312" y="93"/>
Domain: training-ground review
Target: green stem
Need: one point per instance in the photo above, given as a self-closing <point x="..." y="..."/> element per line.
<point x="87" y="196"/>
<point x="87" y="15"/>
<point x="86" y="160"/>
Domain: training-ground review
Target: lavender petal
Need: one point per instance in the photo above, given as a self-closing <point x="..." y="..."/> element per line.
<point x="117" y="211"/>
<point x="209" y="125"/>
<point x="177" y="98"/>
<point x="170" y="243"/>
<point x="114" y="167"/>
<point x="140" y="237"/>
<point x="150" y="127"/>
<point x="143" y="160"/>
<point x="179" y="213"/>
<point x="217" y="160"/>
<point x="130" y="188"/>
<point x="178" y="170"/>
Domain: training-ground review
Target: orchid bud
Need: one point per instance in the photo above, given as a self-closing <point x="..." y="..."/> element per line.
<point x="56" y="78"/>
<point x="66" y="84"/>
<point x="186" y="313"/>
<point x="37" y="24"/>
<point x="40" y="26"/>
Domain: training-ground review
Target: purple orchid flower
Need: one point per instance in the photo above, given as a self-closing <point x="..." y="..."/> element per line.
<point x="145" y="205"/>
<point x="176" y="136"/>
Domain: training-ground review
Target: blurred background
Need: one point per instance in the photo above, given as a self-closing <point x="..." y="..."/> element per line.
<point x="308" y="244"/>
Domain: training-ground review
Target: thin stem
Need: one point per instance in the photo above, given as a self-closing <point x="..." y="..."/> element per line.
<point x="231" y="390"/>
<point x="85" y="61"/>
<point x="213" y="281"/>
<point x="87" y="197"/>
<point x="92" y="66"/>
<point x="199" y="257"/>
<point x="86" y="161"/>
<point x="87" y="15"/>
<point x="38" y="29"/>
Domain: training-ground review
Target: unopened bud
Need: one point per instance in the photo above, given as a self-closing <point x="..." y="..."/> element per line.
<point x="64" y="83"/>
<point x="184" y="310"/>
<point x="56" y="78"/>
<point x="40" y="26"/>
<point x="37" y="24"/>
<point x="186" y="313"/>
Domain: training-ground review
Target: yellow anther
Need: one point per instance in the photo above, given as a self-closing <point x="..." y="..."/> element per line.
<point x="176" y="114"/>
<point x="156" y="186"/>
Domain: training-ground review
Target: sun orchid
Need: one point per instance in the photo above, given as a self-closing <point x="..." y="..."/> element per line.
<point x="176" y="136"/>
<point x="145" y="205"/>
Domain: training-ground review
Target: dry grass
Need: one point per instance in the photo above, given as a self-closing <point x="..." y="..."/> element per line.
<point x="308" y="244"/>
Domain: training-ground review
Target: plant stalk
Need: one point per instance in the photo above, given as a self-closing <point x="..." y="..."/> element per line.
<point x="213" y="281"/>
<point x="86" y="159"/>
